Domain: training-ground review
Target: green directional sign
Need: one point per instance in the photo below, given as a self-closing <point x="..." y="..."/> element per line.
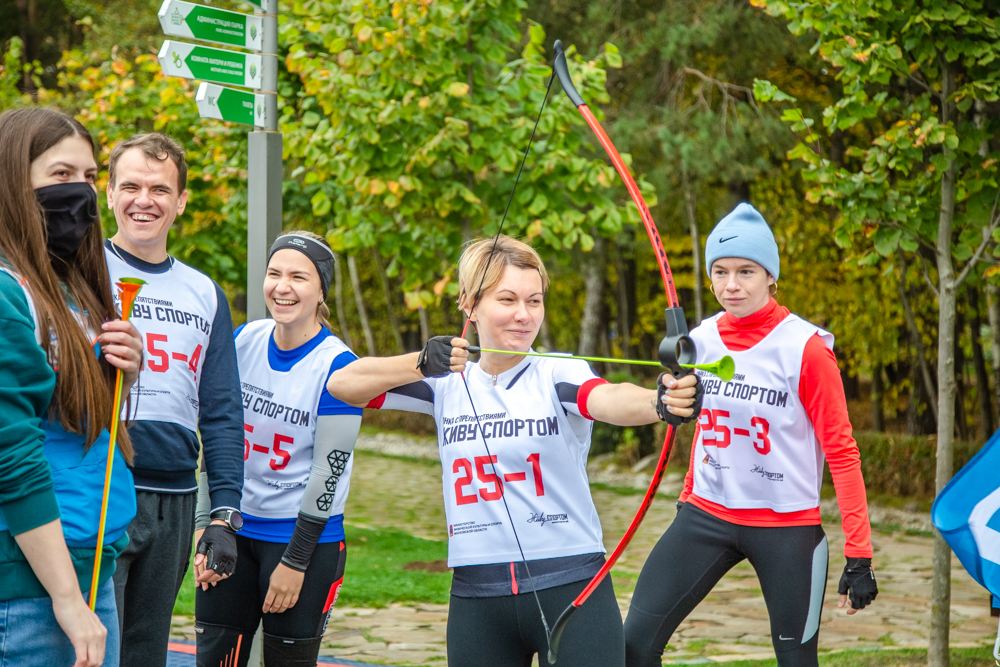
<point x="186" y="19"/>
<point x="191" y="61"/>
<point x="237" y="106"/>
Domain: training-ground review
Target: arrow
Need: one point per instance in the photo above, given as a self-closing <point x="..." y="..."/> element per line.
<point x="186" y="19"/>
<point x="191" y="61"/>
<point x="237" y="106"/>
<point x="724" y="368"/>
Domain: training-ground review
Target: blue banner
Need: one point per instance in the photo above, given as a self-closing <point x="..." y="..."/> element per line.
<point x="967" y="513"/>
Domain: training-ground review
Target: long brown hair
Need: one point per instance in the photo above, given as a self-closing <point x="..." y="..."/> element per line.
<point x="83" y="399"/>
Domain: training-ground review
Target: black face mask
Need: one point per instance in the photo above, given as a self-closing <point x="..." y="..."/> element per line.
<point x="70" y="210"/>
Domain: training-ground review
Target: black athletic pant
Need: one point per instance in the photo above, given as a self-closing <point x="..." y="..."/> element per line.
<point x="149" y="574"/>
<point x="697" y="550"/>
<point x="507" y="631"/>
<point x="229" y="613"/>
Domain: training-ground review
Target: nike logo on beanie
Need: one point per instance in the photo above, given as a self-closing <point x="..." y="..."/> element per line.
<point x="728" y="239"/>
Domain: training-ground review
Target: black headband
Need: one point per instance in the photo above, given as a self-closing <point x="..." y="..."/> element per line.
<point x="320" y="255"/>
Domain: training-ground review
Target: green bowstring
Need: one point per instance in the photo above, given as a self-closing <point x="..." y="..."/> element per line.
<point x="724" y="368"/>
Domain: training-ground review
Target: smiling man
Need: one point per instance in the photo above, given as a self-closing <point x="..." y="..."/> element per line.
<point x="188" y="386"/>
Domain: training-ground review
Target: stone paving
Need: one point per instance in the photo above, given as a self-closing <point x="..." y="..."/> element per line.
<point x="730" y="624"/>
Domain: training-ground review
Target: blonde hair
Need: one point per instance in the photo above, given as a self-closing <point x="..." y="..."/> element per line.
<point x="477" y="273"/>
<point x="322" y="310"/>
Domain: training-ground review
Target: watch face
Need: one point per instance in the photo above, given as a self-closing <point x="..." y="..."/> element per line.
<point x="236" y="521"/>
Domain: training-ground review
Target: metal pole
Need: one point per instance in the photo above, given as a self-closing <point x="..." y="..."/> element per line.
<point x="264" y="169"/>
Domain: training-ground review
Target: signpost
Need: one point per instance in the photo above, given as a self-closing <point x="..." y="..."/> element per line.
<point x="258" y="71"/>
<point x="236" y="106"/>
<point x="203" y="62"/>
<point x="186" y="19"/>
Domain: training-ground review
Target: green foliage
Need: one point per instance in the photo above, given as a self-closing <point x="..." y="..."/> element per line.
<point x="892" y="60"/>
<point x="898" y="465"/>
<point x="120" y="96"/>
<point x="410" y="127"/>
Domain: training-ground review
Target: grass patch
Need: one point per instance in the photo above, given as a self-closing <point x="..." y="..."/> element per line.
<point x="961" y="657"/>
<point x="185" y="598"/>
<point x="617" y="490"/>
<point x="375" y="575"/>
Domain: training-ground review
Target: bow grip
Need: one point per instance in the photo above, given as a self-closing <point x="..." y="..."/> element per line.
<point x="677" y="348"/>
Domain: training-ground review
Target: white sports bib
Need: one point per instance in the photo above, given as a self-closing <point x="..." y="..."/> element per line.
<point x="174" y="313"/>
<point x="279" y="411"/>
<point x="540" y="452"/>
<point x="755" y="445"/>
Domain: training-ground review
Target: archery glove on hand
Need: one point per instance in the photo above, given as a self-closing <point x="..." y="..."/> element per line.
<point x="218" y="544"/>
<point x="858" y="581"/>
<point x="670" y="417"/>
<point x="435" y="359"/>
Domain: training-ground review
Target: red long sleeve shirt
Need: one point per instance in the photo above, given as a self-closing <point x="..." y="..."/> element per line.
<point x="822" y="393"/>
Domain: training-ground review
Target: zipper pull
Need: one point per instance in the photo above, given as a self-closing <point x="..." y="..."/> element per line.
<point x="495" y="380"/>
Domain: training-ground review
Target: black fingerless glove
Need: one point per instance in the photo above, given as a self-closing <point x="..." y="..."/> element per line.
<point x="435" y="359"/>
<point x="858" y="581"/>
<point x="670" y="417"/>
<point x="218" y="543"/>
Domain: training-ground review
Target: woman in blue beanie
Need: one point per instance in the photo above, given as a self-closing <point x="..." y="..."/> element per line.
<point x="753" y="484"/>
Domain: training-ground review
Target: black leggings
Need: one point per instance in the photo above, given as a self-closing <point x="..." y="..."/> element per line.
<point x="507" y="631"/>
<point x="230" y="612"/>
<point x="697" y="550"/>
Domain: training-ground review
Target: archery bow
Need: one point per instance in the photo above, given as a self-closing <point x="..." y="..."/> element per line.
<point x="676" y="349"/>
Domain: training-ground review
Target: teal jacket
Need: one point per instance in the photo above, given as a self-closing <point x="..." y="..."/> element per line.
<point x="31" y="449"/>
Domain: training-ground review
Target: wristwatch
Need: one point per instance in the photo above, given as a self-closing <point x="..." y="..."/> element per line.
<point x="233" y="518"/>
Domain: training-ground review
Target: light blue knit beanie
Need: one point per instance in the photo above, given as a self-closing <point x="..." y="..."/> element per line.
<point x="743" y="233"/>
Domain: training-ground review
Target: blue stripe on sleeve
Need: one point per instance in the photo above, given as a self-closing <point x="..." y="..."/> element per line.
<point x="328" y="405"/>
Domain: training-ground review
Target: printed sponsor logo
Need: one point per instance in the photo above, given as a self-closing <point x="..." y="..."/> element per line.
<point x="541" y="518"/>
<point x="772" y="476"/>
<point x="467" y="527"/>
<point x="708" y="460"/>
<point x="495" y="426"/>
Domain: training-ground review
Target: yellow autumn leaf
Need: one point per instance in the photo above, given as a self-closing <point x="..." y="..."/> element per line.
<point x="365" y="34"/>
<point x="441" y="285"/>
<point x="457" y="89"/>
<point x="377" y="186"/>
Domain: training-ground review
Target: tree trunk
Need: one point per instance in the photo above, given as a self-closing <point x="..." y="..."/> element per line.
<point x="993" y="307"/>
<point x="359" y="299"/>
<point x="593" y="275"/>
<point x="878" y="390"/>
<point x="338" y="295"/>
<point x="387" y="293"/>
<point x="961" y="416"/>
<point x="695" y="247"/>
<point x="470" y="80"/>
<point x="425" y="327"/>
<point x="979" y="361"/>
<point x="624" y="321"/>
<point x="916" y="339"/>
<point x="547" y="336"/>
<point x="937" y="647"/>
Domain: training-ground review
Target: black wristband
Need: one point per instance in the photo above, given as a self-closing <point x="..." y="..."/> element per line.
<point x="305" y="537"/>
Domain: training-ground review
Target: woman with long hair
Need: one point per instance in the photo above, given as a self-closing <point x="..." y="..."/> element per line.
<point x="753" y="486"/>
<point x="62" y="344"/>
<point x="297" y="466"/>
<point x="514" y="433"/>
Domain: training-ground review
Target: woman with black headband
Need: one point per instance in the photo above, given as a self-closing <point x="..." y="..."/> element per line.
<point x="297" y="464"/>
